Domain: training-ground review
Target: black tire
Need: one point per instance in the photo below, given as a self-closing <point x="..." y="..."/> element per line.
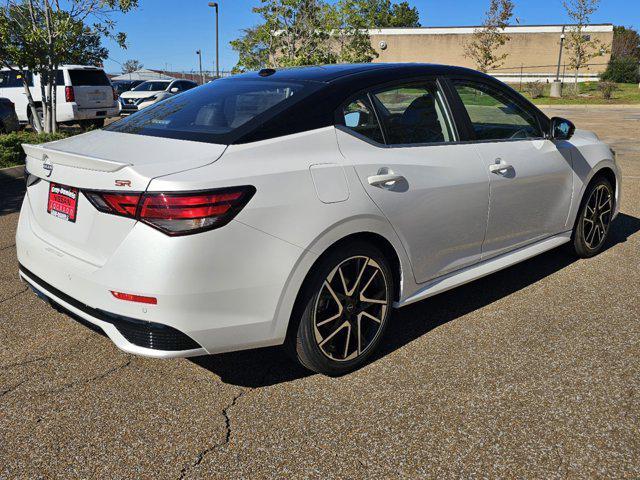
<point x="593" y="223"/>
<point x="327" y="346"/>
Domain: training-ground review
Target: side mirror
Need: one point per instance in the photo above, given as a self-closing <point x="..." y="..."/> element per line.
<point x="174" y="90"/>
<point x="352" y="119"/>
<point x="561" y="129"/>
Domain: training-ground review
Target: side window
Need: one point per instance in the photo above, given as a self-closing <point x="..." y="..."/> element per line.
<point x="413" y="114"/>
<point x="493" y="115"/>
<point x="4" y="77"/>
<point x="359" y="117"/>
<point x="13" y="79"/>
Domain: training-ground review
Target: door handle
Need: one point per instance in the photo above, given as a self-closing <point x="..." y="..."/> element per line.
<point x="500" y="166"/>
<point x="385" y="180"/>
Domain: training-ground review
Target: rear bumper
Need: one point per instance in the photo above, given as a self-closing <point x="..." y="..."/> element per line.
<point x="129" y="334"/>
<point x="221" y="289"/>
<point x="69" y="112"/>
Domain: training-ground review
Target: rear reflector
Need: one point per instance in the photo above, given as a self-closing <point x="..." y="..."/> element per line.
<point x="176" y="213"/>
<point x="129" y="297"/>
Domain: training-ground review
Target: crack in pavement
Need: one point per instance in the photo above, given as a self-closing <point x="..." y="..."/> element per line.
<point x="6" y="247"/>
<point x="26" y="362"/>
<point x="90" y="380"/>
<point x="11" y="389"/>
<point x="14" y="295"/>
<point x="227" y="421"/>
<point x="227" y="439"/>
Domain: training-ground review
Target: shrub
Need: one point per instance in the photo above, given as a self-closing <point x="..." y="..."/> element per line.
<point x="607" y="89"/>
<point x="622" y="70"/>
<point x="535" y="89"/>
<point x="11" y="152"/>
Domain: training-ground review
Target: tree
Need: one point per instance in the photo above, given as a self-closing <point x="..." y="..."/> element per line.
<point x="40" y="35"/>
<point x="254" y="49"/>
<point x="487" y="40"/>
<point x="131" y="66"/>
<point x="385" y="14"/>
<point x="625" y="56"/>
<point x="306" y="32"/>
<point x="349" y="31"/>
<point x="581" y="47"/>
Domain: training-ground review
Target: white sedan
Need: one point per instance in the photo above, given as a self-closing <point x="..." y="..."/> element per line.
<point x="150" y="92"/>
<point x="301" y="206"/>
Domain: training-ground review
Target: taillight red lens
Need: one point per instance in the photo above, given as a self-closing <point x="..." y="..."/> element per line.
<point x="125" y="204"/>
<point x="176" y="213"/>
<point x="69" y="94"/>
<point x="183" y="213"/>
<point x="115" y="94"/>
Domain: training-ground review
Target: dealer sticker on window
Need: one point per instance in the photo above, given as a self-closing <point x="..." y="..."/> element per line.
<point x="63" y="202"/>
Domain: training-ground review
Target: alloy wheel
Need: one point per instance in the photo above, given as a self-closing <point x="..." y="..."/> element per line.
<point x="350" y="308"/>
<point x="597" y="217"/>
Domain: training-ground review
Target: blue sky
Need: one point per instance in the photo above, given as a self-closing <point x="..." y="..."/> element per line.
<point x="168" y="32"/>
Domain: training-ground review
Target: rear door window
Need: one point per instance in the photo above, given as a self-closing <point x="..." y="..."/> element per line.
<point x="83" y="78"/>
<point x="360" y="118"/>
<point x="413" y="114"/>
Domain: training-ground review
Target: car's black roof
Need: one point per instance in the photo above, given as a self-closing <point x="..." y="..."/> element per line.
<point x="330" y="73"/>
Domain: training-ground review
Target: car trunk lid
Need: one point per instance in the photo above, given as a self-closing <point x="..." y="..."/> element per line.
<point x="105" y="161"/>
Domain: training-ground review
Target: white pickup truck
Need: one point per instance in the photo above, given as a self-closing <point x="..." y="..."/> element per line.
<point x="84" y="95"/>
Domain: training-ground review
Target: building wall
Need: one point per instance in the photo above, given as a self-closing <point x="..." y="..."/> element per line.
<point x="534" y="49"/>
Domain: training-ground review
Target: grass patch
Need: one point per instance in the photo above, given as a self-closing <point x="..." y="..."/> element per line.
<point x="590" y="94"/>
<point x="11" y="152"/>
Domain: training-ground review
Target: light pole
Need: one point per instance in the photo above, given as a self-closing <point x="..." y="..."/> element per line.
<point x="556" y="85"/>
<point x="215" y="5"/>
<point x="199" y="53"/>
<point x="562" y="36"/>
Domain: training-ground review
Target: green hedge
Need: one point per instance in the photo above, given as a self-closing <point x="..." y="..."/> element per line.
<point x="11" y="152"/>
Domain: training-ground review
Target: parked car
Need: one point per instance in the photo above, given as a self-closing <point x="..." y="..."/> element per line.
<point x="84" y="95"/>
<point x="151" y="92"/>
<point x="8" y="118"/>
<point x="122" y="86"/>
<point x="300" y="206"/>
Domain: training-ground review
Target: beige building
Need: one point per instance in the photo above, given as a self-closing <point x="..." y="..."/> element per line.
<point x="532" y="50"/>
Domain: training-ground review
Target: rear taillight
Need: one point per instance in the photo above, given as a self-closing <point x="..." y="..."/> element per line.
<point x="176" y="213"/>
<point x="115" y="94"/>
<point x="69" y="94"/>
<point x="124" y="204"/>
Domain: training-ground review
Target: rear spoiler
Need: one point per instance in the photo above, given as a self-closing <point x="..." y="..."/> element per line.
<point x="85" y="162"/>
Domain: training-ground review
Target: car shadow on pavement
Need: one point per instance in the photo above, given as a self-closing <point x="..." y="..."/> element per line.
<point x="269" y="366"/>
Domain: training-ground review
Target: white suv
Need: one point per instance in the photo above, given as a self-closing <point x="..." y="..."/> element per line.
<point x="84" y="94"/>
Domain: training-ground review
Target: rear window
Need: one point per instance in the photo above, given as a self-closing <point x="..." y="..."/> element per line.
<point x="217" y="111"/>
<point x="83" y="78"/>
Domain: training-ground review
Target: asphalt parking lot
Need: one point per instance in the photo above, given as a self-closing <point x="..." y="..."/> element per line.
<point x="531" y="372"/>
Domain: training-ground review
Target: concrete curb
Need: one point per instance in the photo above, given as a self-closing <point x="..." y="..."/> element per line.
<point x="11" y="174"/>
<point x="595" y="105"/>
